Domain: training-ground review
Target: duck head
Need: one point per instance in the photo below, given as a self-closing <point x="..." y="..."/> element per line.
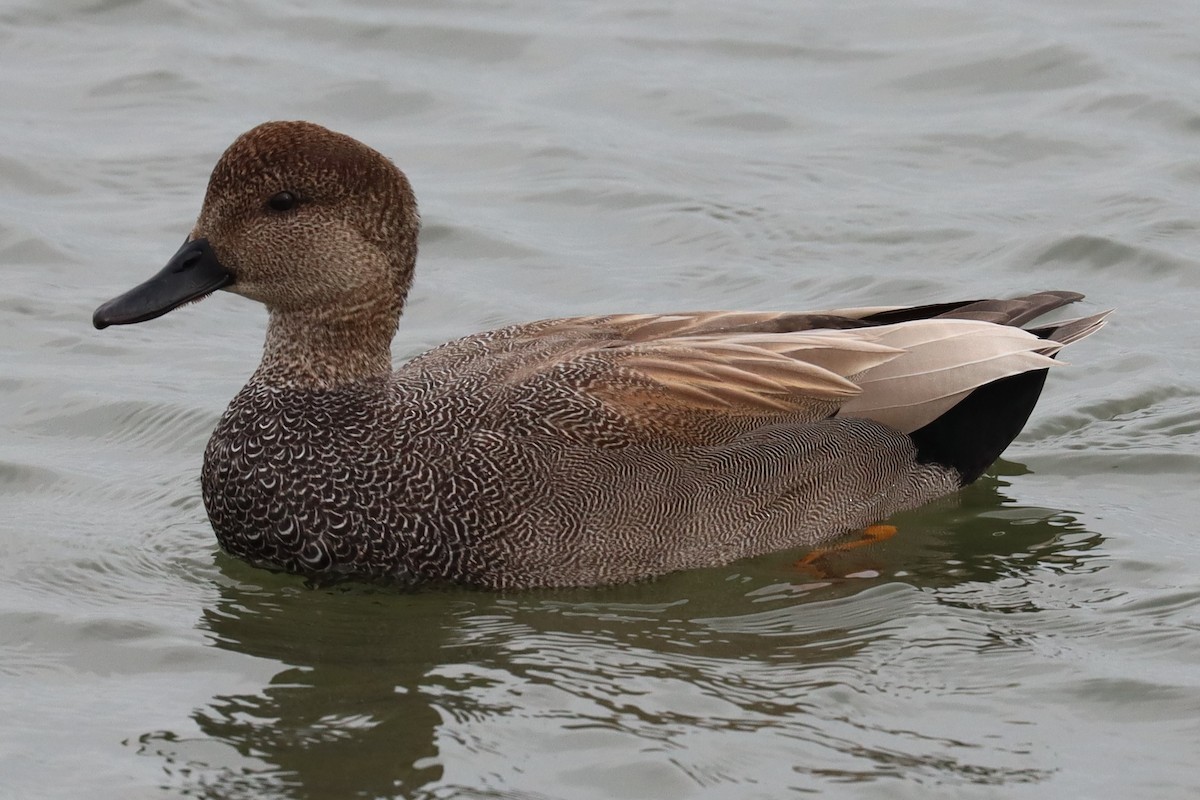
<point x="315" y="225"/>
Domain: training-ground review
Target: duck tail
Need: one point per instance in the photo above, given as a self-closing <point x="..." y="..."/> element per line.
<point x="971" y="436"/>
<point x="1015" y="311"/>
<point x="1071" y="330"/>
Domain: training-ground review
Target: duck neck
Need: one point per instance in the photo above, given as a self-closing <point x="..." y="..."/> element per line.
<point x="316" y="349"/>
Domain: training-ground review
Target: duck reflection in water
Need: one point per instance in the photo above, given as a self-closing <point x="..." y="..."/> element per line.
<point x="382" y="694"/>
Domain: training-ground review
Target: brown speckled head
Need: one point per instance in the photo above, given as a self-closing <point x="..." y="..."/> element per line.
<point x="307" y="218"/>
<point x="319" y="228"/>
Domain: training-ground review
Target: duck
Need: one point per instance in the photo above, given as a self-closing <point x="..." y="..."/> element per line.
<point x="566" y="452"/>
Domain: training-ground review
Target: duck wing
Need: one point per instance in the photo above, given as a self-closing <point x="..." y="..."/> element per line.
<point x="904" y="375"/>
<point x="711" y="376"/>
<point x="902" y="366"/>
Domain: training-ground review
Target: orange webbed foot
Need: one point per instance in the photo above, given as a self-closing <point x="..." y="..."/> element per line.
<point x="870" y="535"/>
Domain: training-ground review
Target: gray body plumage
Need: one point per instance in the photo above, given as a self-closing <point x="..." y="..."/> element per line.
<point x="450" y="471"/>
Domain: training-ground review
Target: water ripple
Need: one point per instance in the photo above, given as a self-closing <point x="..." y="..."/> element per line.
<point x="1049" y="68"/>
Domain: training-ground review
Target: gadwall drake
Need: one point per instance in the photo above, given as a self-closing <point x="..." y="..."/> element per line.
<point x="564" y="452"/>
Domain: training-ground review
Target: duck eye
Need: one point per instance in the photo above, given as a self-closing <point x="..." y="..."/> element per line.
<point x="283" y="201"/>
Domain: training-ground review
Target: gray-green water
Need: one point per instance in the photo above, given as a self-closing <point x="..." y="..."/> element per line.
<point x="1038" y="636"/>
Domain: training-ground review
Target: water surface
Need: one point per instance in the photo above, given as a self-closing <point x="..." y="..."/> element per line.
<point x="1037" y="635"/>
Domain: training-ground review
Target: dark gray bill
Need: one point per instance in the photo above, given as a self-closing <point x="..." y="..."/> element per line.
<point x="191" y="273"/>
